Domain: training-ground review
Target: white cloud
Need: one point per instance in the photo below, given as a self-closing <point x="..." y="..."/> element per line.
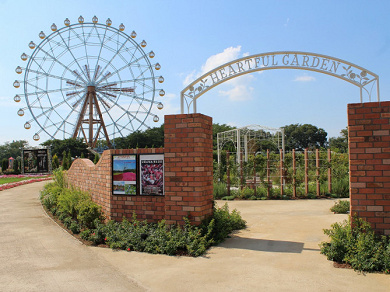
<point x="239" y="88"/>
<point x="229" y="54"/>
<point x="304" y="78"/>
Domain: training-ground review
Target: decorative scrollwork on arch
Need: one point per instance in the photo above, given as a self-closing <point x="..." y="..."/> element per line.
<point x="349" y="72"/>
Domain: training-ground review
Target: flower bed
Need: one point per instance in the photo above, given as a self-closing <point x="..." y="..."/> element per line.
<point x="30" y="179"/>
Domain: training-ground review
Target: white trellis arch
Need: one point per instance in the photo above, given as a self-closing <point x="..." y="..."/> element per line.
<point x="242" y="137"/>
<point x="356" y="75"/>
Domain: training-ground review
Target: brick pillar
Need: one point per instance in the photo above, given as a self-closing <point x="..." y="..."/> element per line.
<point x="369" y="162"/>
<point x="188" y="167"/>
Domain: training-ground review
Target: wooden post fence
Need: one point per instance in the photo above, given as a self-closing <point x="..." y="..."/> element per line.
<point x="268" y="176"/>
<point x="329" y="172"/>
<point x="306" y="172"/>
<point x="294" y="165"/>
<point x="318" y="172"/>
<point x="228" y="172"/>
<point x="281" y="173"/>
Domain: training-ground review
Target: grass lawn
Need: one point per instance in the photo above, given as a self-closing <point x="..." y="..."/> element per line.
<point x="6" y="180"/>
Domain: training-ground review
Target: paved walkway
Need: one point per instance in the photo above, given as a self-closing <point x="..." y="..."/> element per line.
<point x="277" y="252"/>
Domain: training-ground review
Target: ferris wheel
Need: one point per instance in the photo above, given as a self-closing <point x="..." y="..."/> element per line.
<point x="89" y="80"/>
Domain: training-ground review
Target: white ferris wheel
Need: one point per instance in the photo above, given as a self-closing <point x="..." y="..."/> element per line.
<point x="89" y="80"/>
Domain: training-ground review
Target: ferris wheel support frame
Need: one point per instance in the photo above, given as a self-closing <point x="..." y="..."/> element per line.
<point x="93" y="105"/>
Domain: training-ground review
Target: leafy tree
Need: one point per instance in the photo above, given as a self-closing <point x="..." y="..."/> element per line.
<point x="75" y="146"/>
<point x="217" y="128"/>
<point x="12" y="149"/>
<point x="340" y="144"/>
<point x="299" y="137"/>
<point x="153" y="138"/>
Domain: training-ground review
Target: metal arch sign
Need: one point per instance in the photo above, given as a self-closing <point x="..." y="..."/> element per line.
<point x="344" y="70"/>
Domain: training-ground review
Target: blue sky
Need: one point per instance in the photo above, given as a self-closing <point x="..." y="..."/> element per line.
<point x="189" y="37"/>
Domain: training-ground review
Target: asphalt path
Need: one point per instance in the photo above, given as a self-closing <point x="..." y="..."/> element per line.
<point x="277" y="252"/>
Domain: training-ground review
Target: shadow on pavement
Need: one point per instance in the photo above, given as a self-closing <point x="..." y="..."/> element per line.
<point x="265" y="245"/>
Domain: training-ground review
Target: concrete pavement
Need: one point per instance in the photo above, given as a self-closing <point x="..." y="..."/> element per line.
<point x="277" y="252"/>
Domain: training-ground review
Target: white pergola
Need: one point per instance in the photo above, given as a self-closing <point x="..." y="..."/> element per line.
<point x="245" y="138"/>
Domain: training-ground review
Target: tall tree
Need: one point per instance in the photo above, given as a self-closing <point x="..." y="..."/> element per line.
<point x="12" y="149"/>
<point x="340" y="144"/>
<point x="75" y="146"/>
<point x="299" y="137"/>
<point x="217" y="128"/>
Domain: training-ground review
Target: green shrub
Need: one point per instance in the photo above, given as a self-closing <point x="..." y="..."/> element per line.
<point x="67" y="221"/>
<point x="76" y="210"/>
<point x="85" y="234"/>
<point x="55" y="162"/>
<point x="357" y="245"/>
<point x="74" y="227"/>
<point x="49" y="196"/>
<point x="229" y="198"/>
<point x="340" y="187"/>
<point x="246" y="193"/>
<point x="60" y="178"/>
<point x="220" y="190"/>
<point x="161" y="238"/>
<point x="68" y="201"/>
<point x="224" y="223"/>
<point x="88" y="212"/>
<point x="340" y="207"/>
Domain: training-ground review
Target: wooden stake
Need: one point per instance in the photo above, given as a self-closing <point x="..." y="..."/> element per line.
<point x="306" y="172"/>
<point x="318" y="172"/>
<point x="294" y="174"/>
<point x="329" y="172"/>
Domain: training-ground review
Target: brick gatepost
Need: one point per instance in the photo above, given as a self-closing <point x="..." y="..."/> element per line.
<point x="369" y="162"/>
<point x="188" y="167"/>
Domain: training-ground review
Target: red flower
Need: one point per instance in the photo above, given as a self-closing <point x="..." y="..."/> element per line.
<point x="129" y="249"/>
<point x="105" y="239"/>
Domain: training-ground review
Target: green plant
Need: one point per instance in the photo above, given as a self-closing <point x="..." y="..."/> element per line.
<point x="65" y="162"/>
<point x="60" y="178"/>
<point x="96" y="159"/>
<point x="220" y="190"/>
<point x="74" y="227"/>
<point x="357" y="244"/>
<point x="88" y="212"/>
<point x="55" y="162"/>
<point x="69" y="200"/>
<point x="224" y="223"/>
<point x="340" y="207"/>
<point x="69" y="159"/>
<point x="49" y="196"/>
<point x="340" y="187"/>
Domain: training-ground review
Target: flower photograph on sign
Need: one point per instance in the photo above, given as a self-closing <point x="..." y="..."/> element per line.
<point x="124" y="175"/>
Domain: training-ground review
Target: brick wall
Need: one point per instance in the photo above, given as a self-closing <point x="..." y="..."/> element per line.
<point x="188" y="175"/>
<point x="188" y="167"/>
<point x="369" y="152"/>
